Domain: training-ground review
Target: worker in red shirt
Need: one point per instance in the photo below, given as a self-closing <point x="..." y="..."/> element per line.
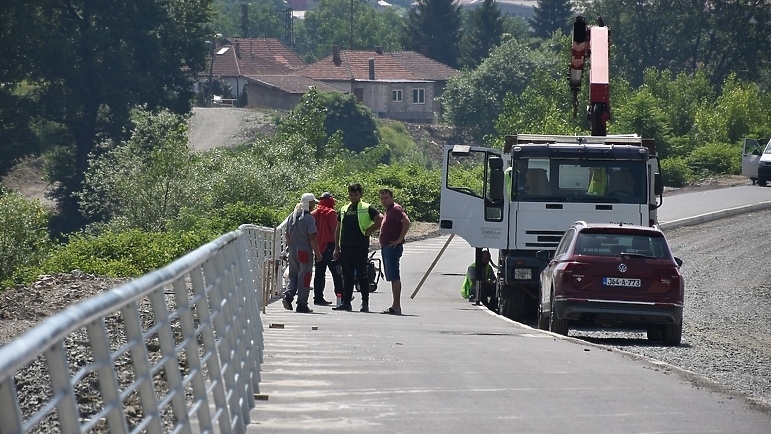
<point x="326" y="225"/>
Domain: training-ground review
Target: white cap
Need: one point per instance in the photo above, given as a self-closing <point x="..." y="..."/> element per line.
<point x="308" y="198"/>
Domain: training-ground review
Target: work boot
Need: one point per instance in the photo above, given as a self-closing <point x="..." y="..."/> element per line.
<point x="287" y="303"/>
<point x="364" y="307"/>
<point x="344" y="306"/>
<point x="303" y="308"/>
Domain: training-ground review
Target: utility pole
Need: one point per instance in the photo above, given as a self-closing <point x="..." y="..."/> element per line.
<point x="209" y="90"/>
<point x="350" y="44"/>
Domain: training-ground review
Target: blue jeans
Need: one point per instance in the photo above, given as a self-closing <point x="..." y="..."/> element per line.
<point x="391" y="257"/>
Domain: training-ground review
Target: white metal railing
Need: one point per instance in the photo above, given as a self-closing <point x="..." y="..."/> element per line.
<point x="176" y="350"/>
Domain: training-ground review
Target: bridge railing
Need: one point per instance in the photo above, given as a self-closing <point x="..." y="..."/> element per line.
<point x="176" y="350"/>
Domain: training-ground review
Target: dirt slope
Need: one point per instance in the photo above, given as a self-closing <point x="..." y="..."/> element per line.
<point x="227" y="126"/>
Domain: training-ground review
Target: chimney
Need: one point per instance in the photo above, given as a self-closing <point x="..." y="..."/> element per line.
<point x="424" y="50"/>
<point x="371" y="68"/>
<point x="336" y="55"/>
<point x="238" y="49"/>
<point x="379" y="50"/>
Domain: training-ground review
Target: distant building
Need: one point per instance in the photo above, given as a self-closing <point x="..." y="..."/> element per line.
<point x="515" y="8"/>
<point x="402" y="85"/>
<point x="263" y="72"/>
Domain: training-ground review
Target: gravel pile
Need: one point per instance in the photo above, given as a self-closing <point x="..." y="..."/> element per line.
<point x="726" y="326"/>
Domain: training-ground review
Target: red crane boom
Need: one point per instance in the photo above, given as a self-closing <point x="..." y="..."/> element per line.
<point x="592" y="42"/>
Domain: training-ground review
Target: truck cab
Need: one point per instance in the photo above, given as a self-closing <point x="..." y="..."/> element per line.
<point x="522" y="199"/>
<point x="756" y="162"/>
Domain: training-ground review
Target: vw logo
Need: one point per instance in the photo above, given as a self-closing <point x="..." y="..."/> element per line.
<point x="622" y="268"/>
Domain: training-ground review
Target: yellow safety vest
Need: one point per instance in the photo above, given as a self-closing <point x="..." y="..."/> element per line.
<point x="598" y="185"/>
<point x="507" y="182"/>
<point x="466" y="290"/>
<point x="362" y="213"/>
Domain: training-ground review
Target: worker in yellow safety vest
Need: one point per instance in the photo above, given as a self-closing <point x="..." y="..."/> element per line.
<point x="357" y="221"/>
<point x="598" y="181"/>
<point x="487" y="290"/>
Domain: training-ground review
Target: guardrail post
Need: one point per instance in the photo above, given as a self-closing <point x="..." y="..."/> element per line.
<point x="10" y="416"/>
<point x="108" y="380"/>
<point x="61" y="385"/>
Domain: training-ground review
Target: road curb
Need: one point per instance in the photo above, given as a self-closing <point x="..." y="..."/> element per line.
<point x="708" y="217"/>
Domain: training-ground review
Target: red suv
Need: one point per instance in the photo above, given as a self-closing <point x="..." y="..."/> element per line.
<point x="615" y="275"/>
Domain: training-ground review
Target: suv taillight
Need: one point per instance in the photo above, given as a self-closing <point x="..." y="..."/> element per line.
<point x="574" y="274"/>
<point x="669" y="276"/>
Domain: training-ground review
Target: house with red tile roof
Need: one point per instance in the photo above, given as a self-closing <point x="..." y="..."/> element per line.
<point x="395" y="85"/>
<point x="281" y="92"/>
<point x="235" y="59"/>
<point x="263" y="72"/>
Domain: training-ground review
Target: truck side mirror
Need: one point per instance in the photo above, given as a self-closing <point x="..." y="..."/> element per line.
<point x="495" y="190"/>
<point x="543" y="255"/>
<point x="658" y="184"/>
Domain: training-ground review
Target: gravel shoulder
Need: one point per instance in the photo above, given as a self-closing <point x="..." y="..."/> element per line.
<point x="726" y="331"/>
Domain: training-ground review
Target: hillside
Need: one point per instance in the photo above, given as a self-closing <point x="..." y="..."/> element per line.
<point x="218" y="127"/>
<point x="225" y="127"/>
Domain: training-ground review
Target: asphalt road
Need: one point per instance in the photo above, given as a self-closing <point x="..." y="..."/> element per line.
<point x="447" y="366"/>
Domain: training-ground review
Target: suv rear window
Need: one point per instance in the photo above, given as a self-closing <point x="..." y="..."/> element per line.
<point x="605" y="244"/>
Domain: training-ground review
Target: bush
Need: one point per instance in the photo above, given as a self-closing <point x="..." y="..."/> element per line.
<point x="676" y="172"/>
<point x="125" y="254"/>
<point x="24" y="239"/>
<point x="715" y="159"/>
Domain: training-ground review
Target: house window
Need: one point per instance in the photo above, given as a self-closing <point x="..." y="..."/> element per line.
<point x="396" y="96"/>
<point x="418" y="96"/>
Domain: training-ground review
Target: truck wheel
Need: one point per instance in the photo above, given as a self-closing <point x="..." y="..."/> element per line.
<point x="504" y="307"/>
<point x="654" y="335"/>
<point x="673" y="334"/>
<point x="557" y="325"/>
<point x="518" y="304"/>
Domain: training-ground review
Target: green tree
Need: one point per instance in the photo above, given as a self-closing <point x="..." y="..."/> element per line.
<point x="92" y="61"/>
<point x="680" y="97"/>
<point x="330" y="24"/>
<point x="550" y="16"/>
<point x="265" y="18"/>
<point x="544" y="107"/>
<point x="742" y="110"/>
<point x="435" y="25"/>
<point x="642" y="114"/>
<point x="721" y="36"/>
<point x="24" y="238"/>
<point x="473" y="100"/>
<point x="485" y="32"/>
<point x="17" y="110"/>
<point x="147" y="180"/>
<point x="321" y="114"/>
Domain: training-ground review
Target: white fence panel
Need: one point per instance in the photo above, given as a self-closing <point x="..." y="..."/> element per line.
<point x="176" y="350"/>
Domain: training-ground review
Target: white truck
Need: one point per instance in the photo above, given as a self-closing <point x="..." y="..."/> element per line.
<point x="553" y="182"/>
<point x="756" y="162"/>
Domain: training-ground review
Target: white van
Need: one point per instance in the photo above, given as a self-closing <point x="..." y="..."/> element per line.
<point x="756" y="162"/>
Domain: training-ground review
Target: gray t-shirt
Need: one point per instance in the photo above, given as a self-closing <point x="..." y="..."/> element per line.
<point x="299" y="232"/>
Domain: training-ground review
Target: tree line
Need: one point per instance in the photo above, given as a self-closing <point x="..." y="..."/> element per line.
<point x="73" y="73"/>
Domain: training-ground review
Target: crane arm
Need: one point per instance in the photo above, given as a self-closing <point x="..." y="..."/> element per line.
<point x="592" y="42"/>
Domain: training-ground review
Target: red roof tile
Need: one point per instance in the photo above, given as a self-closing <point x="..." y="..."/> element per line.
<point x="254" y="56"/>
<point x="424" y="67"/>
<point x="354" y="65"/>
<point x="292" y="83"/>
<point x="269" y="48"/>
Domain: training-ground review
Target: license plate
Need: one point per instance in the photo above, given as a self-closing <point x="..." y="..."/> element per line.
<point x="619" y="281"/>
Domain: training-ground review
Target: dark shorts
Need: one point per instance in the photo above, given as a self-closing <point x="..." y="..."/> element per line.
<point x="391" y="257"/>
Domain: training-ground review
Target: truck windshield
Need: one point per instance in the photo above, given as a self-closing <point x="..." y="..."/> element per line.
<point x="571" y="180"/>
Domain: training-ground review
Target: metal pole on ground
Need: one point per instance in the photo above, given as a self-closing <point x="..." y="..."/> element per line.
<point x="439" y="255"/>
